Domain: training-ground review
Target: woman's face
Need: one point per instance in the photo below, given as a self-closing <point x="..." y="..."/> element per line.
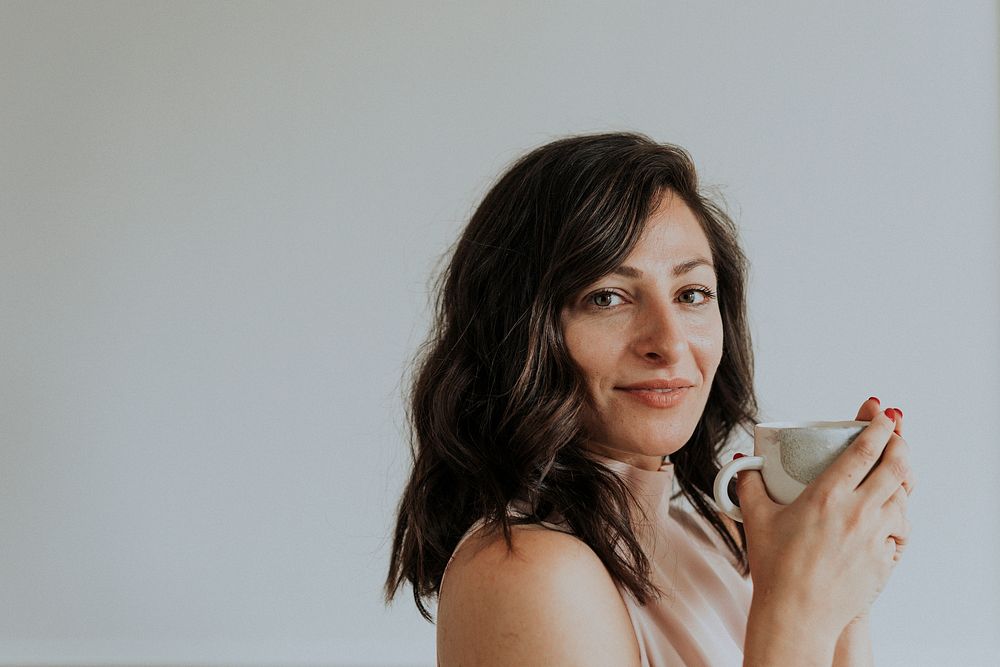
<point x="648" y="338"/>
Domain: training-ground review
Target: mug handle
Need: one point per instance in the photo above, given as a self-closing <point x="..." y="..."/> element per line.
<point x="721" y="487"/>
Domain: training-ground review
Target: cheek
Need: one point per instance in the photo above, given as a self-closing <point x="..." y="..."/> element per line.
<point x="592" y="348"/>
<point x="707" y="339"/>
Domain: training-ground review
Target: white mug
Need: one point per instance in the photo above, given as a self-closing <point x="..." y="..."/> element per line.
<point x="789" y="455"/>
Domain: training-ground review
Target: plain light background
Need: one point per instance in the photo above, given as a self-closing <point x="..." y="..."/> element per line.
<point x="218" y="224"/>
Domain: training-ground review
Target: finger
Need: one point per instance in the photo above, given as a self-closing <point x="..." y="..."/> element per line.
<point x="752" y="494"/>
<point x="894" y="547"/>
<point x="860" y="457"/>
<point x="899" y="535"/>
<point x="896" y="415"/>
<point x="891" y="547"/>
<point x="890" y="475"/>
<point x="898" y="418"/>
<point x="868" y="410"/>
<point x="896" y="523"/>
<point x="901" y="542"/>
<point x="895" y="506"/>
<point x="910" y="482"/>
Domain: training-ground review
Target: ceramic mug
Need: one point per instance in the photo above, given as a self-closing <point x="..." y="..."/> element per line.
<point x="788" y="455"/>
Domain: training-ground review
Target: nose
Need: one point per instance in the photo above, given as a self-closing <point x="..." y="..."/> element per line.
<point x="660" y="336"/>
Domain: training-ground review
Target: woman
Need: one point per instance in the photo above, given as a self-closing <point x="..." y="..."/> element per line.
<point x="591" y="324"/>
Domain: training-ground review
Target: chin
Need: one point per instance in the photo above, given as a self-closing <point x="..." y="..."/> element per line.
<point x="653" y="445"/>
<point x="648" y="437"/>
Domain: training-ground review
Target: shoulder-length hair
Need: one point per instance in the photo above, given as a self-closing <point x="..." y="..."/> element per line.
<point x="495" y="403"/>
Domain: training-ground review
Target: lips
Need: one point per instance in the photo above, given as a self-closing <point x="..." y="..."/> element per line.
<point x="659" y="385"/>
<point x="659" y="393"/>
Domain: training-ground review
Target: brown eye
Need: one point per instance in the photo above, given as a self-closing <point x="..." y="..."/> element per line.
<point x="696" y="296"/>
<point x="692" y="296"/>
<point x="603" y="299"/>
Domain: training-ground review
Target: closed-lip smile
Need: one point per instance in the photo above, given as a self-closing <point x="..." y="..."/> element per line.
<point x="659" y="394"/>
<point x="658" y="385"/>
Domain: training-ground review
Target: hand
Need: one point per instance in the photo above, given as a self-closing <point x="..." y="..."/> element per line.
<point x="827" y="556"/>
<point x="868" y="411"/>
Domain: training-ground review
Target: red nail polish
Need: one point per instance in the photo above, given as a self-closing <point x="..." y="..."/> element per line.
<point x="892" y="412"/>
<point x="737" y="455"/>
<point x="875" y="398"/>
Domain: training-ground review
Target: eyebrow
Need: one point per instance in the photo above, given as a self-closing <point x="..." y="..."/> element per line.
<point x="678" y="270"/>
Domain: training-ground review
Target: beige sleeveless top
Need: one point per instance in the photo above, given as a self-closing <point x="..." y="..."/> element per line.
<point x="701" y="618"/>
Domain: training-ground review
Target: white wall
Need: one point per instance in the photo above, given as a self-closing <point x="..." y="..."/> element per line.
<point x="218" y="222"/>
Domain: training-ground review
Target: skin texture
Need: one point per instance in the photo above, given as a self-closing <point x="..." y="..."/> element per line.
<point x="627" y="329"/>
<point x="550" y="603"/>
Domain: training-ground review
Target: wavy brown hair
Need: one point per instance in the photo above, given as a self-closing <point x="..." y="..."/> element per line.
<point x="496" y="400"/>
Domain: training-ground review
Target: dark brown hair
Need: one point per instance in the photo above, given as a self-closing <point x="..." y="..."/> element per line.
<point x="495" y="408"/>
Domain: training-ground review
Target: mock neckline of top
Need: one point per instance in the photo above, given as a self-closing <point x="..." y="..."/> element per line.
<point x="647" y="483"/>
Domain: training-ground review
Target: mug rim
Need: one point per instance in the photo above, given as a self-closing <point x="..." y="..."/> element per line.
<point x="812" y="425"/>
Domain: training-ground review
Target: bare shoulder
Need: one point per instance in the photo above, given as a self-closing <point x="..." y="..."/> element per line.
<point x="550" y="602"/>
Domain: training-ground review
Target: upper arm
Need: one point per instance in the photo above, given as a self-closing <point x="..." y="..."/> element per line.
<point x="550" y="602"/>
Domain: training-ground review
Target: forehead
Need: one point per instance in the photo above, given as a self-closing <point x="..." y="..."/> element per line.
<point x="671" y="233"/>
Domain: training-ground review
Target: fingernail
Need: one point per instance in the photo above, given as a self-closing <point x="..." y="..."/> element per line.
<point x="892" y="413"/>
<point x="737" y="455"/>
<point x="874" y="398"/>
